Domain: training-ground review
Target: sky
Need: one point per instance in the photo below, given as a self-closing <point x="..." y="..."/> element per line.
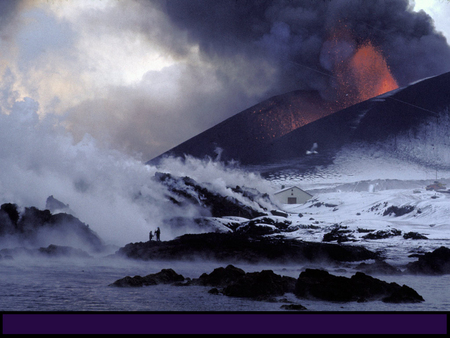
<point x="142" y="76"/>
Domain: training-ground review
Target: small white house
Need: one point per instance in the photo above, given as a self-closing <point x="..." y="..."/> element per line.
<point x="292" y="195"/>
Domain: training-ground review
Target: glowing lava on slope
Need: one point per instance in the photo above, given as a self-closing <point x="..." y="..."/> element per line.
<point x="358" y="72"/>
<point x="367" y="74"/>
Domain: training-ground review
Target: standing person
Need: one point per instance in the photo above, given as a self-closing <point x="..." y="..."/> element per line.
<point x="157" y="233"/>
<point x="150" y="235"/>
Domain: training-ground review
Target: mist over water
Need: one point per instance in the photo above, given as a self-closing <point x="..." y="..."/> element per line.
<point x="112" y="192"/>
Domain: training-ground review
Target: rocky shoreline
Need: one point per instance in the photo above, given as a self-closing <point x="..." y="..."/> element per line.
<point x="258" y="240"/>
<point x="265" y="285"/>
<point x="316" y="284"/>
<point x="231" y="247"/>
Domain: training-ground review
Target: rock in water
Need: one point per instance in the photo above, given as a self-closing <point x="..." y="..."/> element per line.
<point x="165" y="276"/>
<point x="319" y="284"/>
<point x="260" y="285"/>
<point x="220" y="276"/>
<point x="436" y="262"/>
<point x="63" y="251"/>
<point x="237" y="283"/>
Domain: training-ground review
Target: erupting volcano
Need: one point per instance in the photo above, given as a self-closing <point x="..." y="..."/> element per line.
<point x="371" y="73"/>
<point x="356" y="73"/>
<point x="359" y="70"/>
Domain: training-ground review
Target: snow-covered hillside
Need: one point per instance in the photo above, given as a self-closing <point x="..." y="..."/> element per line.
<point x="366" y="198"/>
<point x="362" y="213"/>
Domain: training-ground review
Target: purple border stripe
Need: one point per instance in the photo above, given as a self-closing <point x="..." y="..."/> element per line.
<point x="209" y="323"/>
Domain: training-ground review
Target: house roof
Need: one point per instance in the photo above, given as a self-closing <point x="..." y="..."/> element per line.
<point x="293" y="187"/>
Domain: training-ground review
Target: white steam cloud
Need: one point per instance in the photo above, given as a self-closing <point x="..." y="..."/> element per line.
<point x="111" y="192"/>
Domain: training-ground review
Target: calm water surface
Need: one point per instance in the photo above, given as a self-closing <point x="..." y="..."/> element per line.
<point x="83" y="285"/>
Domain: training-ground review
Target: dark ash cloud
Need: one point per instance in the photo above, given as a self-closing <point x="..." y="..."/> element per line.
<point x="250" y="50"/>
<point x="295" y="30"/>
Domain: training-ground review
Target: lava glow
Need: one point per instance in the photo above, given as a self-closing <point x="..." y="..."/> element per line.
<point x="359" y="72"/>
<point x="363" y="75"/>
<point x="371" y="73"/>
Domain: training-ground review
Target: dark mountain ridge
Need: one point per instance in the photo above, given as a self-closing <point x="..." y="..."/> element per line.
<point x="243" y="135"/>
<point x="378" y="119"/>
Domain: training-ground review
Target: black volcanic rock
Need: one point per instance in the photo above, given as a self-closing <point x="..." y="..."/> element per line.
<point x="319" y="284"/>
<point x="260" y="285"/>
<point x="187" y="190"/>
<point x="398" y="211"/>
<point x="63" y="251"/>
<point x="381" y="234"/>
<point x="33" y="224"/>
<point x="436" y="262"/>
<point x="263" y="225"/>
<point x="165" y="276"/>
<point x="236" y="282"/>
<point x="235" y="247"/>
<point x="379" y="267"/>
<point x="338" y="234"/>
<point x="414" y="235"/>
<point x="220" y="276"/>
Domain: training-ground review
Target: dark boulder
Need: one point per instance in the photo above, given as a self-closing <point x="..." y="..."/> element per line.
<point x="379" y="267"/>
<point x="260" y="285"/>
<point x="404" y="294"/>
<point x="236" y="282"/>
<point x="436" y="262"/>
<point x="263" y="225"/>
<point x="319" y="284"/>
<point x="279" y="213"/>
<point x="294" y="307"/>
<point x="338" y="234"/>
<point x="414" y="235"/>
<point x="63" y="251"/>
<point x="53" y="251"/>
<point x="398" y="211"/>
<point x="165" y="276"/>
<point x="382" y="234"/>
<point x="220" y="276"/>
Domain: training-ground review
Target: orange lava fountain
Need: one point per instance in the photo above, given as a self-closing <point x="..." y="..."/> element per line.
<point x="363" y="76"/>
<point x="360" y="73"/>
<point x="372" y="76"/>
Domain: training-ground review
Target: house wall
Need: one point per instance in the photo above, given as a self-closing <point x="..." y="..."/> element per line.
<point x="287" y="196"/>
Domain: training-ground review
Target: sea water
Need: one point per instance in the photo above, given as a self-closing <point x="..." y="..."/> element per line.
<point x="84" y="285"/>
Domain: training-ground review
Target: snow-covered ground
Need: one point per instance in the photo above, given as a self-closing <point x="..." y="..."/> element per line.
<point x="355" y="195"/>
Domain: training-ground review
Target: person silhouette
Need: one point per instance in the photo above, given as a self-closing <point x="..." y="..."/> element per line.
<point x="158" y="233"/>
<point x="150" y="235"/>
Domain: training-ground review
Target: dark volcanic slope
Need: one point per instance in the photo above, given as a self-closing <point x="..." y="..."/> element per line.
<point x="245" y="134"/>
<point x="243" y="137"/>
<point x="377" y="119"/>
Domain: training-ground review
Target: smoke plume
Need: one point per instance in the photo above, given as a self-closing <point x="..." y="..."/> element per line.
<point x="247" y="51"/>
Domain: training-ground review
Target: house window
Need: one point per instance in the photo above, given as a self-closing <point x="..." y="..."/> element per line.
<point x="292" y="200"/>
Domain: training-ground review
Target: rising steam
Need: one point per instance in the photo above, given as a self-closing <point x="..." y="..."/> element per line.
<point x="228" y="55"/>
<point x="111" y="192"/>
